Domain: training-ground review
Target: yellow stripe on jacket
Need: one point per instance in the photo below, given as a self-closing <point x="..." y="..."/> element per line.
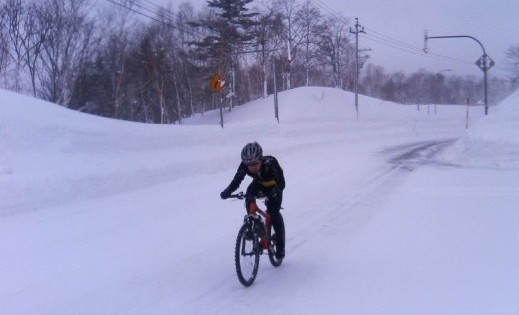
<point x="269" y="183"/>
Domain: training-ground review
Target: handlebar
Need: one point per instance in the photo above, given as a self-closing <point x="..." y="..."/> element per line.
<point x="240" y="195"/>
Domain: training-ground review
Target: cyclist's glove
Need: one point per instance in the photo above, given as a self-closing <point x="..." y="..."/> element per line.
<point x="225" y="194"/>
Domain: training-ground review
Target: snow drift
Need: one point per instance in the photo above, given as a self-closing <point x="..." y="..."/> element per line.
<point x="493" y="141"/>
<point x="99" y="216"/>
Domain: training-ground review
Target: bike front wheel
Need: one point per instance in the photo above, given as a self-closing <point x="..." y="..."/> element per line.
<point x="246" y="255"/>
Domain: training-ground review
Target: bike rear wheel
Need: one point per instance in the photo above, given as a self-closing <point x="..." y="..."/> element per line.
<point x="246" y="255"/>
<point x="272" y="251"/>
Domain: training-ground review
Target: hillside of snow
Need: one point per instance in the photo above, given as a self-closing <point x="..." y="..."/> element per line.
<point x="493" y="141"/>
<point x="403" y="211"/>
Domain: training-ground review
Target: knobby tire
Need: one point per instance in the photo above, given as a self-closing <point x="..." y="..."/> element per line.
<point x="272" y="251"/>
<point x="246" y="256"/>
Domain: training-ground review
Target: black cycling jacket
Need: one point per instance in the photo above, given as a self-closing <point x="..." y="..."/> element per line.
<point x="270" y="176"/>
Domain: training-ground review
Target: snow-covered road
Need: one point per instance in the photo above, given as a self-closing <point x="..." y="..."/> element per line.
<point x="107" y="217"/>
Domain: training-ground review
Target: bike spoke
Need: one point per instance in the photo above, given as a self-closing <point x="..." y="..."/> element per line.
<point x="246" y="256"/>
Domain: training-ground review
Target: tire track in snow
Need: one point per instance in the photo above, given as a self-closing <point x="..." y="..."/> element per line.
<point x="359" y="206"/>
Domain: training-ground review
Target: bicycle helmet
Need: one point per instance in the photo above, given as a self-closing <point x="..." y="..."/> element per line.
<point x="251" y="153"/>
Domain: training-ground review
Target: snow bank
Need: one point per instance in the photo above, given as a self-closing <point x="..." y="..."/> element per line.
<point x="99" y="216"/>
<point x="492" y="142"/>
<point x="50" y="154"/>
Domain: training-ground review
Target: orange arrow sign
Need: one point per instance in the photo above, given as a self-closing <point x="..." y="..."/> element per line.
<point x="216" y="83"/>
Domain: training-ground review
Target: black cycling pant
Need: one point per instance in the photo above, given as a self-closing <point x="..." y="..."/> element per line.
<point x="273" y="209"/>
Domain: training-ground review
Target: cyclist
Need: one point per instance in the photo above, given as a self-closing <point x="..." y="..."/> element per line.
<point x="267" y="180"/>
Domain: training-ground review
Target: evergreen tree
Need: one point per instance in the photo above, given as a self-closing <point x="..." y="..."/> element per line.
<point x="228" y="34"/>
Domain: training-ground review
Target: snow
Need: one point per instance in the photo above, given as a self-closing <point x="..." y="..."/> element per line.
<point x="493" y="141"/>
<point x="402" y="211"/>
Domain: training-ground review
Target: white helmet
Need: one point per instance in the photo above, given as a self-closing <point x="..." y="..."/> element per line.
<point x="251" y="153"/>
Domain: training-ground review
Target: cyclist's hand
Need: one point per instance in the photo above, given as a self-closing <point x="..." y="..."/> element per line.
<point x="225" y="194"/>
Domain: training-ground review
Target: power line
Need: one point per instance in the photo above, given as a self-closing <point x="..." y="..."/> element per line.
<point x="167" y="16"/>
<point x="325" y="7"/>
<point x="147" y="8"/>
<point x="392" y="40"/>
<point x="129" y="8"/>
<point x="414" y="50"/>
<point x="393" y="43"/>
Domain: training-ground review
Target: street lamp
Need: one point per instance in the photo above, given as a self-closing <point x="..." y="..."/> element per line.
<point x="484" y="62"/>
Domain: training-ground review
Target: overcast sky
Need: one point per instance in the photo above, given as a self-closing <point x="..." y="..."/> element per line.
<point x="395" y="31"/>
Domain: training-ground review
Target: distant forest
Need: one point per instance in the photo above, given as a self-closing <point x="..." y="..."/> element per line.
<point x="137" y="61"/>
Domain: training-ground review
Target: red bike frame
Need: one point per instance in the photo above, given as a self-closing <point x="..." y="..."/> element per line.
<point x="255" y="210"/>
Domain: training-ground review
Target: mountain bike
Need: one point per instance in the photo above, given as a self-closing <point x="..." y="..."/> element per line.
<point x="254" y="237"/>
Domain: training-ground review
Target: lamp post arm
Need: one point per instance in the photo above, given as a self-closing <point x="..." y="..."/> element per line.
<point x="484" y="67"/>
<point x="459" y="36"/>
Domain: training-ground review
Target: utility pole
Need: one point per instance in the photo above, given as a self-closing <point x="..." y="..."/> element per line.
<point x="356" y="32"/>
<point x="276" y="111"/>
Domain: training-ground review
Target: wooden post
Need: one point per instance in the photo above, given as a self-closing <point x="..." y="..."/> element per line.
<point x="468" y="103"/>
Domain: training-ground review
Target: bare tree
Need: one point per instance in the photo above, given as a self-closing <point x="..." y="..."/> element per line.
<point x="393" y="87"/>
<point x="148" y="70"/>
<point x="23" y="35"/>
<point x="116" y="44"/>
<point x="66" y="47"/>
<point x="268" y="24"/>
<point x="512" y="55"/>
<point x="292" y="35"/>
<point x="36" y="28"/>
<point x="171" y="43"/>
<point x="184" y="15"/>
<point x="4" y="44"/>
<point x="155" y="55"/>
<point x="309" y="18"/>
<point x="373" y="80"/>
<point x="334" y="46"/>
<point x="14" y="14"/>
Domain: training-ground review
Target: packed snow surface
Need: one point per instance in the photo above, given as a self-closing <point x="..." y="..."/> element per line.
<point x="402" y="210"/>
